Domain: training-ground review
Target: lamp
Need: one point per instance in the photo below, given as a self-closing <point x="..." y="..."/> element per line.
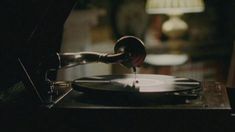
<point x="174" y="27"/>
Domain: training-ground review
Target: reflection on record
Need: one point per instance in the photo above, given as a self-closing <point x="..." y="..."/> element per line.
<point x="144" y="84"/>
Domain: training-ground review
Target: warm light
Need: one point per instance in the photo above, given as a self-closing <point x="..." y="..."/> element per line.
<point x="174" y="6"/>
<point x="166" y="59"/>
<point x="174" y="27"/>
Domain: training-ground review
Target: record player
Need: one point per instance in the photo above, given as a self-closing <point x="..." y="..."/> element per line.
<point x="127" y="89"/>
<point x="128" y="96"/>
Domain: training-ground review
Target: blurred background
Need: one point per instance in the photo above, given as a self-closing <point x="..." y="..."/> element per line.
<point x="186" y="38"/>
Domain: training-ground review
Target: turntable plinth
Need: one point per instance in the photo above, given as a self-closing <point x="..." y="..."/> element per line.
<point x="210" y="112"/>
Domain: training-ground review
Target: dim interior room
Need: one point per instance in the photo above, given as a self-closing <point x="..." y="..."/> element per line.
<point x="198" y="47"/>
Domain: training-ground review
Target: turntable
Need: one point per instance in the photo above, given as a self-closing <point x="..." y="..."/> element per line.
<point x="136" y="91"/>
<point x="118" y="90"/>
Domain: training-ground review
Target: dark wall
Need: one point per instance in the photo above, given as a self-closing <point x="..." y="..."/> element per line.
<point x="31" y="30"/>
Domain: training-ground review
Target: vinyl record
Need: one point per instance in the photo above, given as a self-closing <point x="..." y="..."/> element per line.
<point x="139" y="84"/>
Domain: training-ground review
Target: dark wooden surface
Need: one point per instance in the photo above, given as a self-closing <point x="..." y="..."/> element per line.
<point x="210" y="112"/>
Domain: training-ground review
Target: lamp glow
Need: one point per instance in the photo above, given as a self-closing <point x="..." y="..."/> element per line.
<point x="174" y="27"/>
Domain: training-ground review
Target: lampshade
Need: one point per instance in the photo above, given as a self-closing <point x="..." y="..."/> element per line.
<point x="174" y="6"/>
<point x="174" y="27"/>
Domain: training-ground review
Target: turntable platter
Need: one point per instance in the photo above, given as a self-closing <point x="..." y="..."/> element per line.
<point x="144" y="84"/>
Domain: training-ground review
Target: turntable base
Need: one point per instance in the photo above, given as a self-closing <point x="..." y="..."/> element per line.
<point x="210" y="112"/>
